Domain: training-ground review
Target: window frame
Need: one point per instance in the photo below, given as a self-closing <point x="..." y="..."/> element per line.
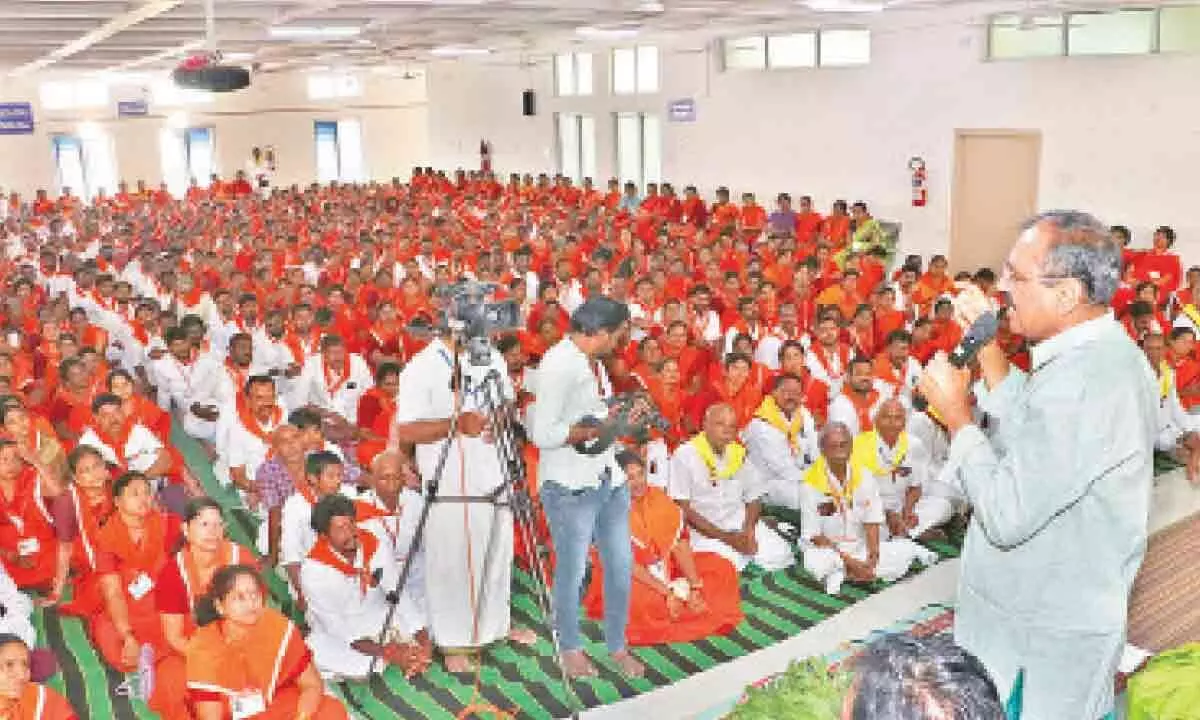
<point x="640" y="123"/>
<point x="636" y="79"/>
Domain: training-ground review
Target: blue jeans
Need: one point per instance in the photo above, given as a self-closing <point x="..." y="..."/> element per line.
<point x="576" y="518"/>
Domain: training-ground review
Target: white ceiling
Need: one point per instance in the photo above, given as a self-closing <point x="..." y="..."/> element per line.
<point x="84" y="35"/>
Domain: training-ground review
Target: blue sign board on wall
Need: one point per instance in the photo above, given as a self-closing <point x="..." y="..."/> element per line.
<point x="132" y="108"/>
<point x="16" y="118"/>
<point x="682" y="110"/>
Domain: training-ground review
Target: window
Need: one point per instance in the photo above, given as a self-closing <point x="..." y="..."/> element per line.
<point x="339" y="151"/>
<point x="58" y="95"/>
<point x="328" y="87"/>
<point x="635" y="70"/>
<point x="747" y="53"/>
<point x="198" y="151"/>
<point x="1016" y="36"/>
<point x="639" y="148"/>
<point x="187" y="154"/>
<point x="1123" y="32"/>
<point x="68" y="162"/>
<point x="1179" y="29"/>
<point x="573" y="74"/>
<point x="792" y="51"/>
<point x="841" y="48"/>
<point x="576" y="145"/>
<point x="798" y="50"/>
<point x="84" y="162"/>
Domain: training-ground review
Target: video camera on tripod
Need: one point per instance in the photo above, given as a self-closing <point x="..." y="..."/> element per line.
<point x="469" y="309"/>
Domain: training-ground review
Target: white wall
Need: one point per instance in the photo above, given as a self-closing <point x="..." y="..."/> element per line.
<point x="1119" y="135"/>
<point x="275" y="110"/>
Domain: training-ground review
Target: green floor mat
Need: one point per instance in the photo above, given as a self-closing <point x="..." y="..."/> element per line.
<point x="520" y="680"/>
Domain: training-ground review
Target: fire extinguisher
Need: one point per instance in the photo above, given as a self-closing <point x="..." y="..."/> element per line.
<point x="485" y="156"/>
<point x="920" y="193"/>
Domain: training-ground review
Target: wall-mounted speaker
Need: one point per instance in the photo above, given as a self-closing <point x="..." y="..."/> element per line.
<point x="528" y="103"/>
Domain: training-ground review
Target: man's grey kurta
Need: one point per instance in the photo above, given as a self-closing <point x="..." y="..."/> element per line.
<point x="1061" y="502"/>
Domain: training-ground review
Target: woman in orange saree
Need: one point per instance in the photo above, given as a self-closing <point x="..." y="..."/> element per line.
<point x="677" y="595"/>
<point x="185" y="578"/>
<point x="133" y="546"/>
<point x="247" y="660"/>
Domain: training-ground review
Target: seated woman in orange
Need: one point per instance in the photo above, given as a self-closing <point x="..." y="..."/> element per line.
<point x="677" y="595"/>
<point x="133" y="547"/>
<point x="20" y="697"/>
<point x="79" y="513"/>
<point x="27" y="544"/>
<point x="73" y="391"/>
<point x="34" y="434"/>
<point x="247" y="660"/>
<point x="138" y="407"/>
<point x="376" y="409"/>
<point x="182" y="580"/>
<point x="383" y="339"/>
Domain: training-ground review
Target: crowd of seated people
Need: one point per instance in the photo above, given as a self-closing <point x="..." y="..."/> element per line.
<point x="271" y="331"/>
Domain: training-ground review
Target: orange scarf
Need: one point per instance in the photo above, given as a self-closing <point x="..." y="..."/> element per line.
<point x="862" y="408"/>
<point x="118" y="442"/>
<point x="324" y="553"/>
<point x="228" y="554"/>
<point x="271" y="657"/>
<point x="332" y="386"/>
<point x="843" y="353"/>
<point x="296" y="344"/>
<point x="238" y="375"/>
<point x="251" y="423"/>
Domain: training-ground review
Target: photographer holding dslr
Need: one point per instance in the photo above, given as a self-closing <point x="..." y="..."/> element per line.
<point x="584" y="495"/>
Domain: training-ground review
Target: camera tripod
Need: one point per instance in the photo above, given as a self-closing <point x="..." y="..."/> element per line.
<point x="512" y="494"/>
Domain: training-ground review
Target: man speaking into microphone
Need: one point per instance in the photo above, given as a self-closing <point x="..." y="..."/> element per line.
<point x="1061" y="491"/>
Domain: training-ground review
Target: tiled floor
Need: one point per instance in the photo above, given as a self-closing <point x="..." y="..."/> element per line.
<point x="1174" y="499"/>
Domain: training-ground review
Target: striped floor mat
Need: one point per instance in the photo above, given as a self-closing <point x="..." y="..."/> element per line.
<point x="522" y="681"/>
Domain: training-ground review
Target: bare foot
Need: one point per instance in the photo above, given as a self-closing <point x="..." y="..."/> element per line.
<point x="577" y="665"/>
<point x="458" y="663"/>
<point x="522" y="636"/>
<point x="630" y="666"/>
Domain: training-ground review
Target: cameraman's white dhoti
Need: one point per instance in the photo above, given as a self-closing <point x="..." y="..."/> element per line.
<point x="467" y="544"/>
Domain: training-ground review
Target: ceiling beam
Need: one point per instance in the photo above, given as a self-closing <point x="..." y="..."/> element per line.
<point x="144" y="11"/>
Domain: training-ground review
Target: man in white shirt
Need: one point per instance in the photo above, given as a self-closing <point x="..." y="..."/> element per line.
<point x="323" y="473"/>
<point x="347" y="578"/>
<point x="395" y="504"/>
<point x="704" y="323"/>
<point x="901" y="372"/>
<point x="584" y="495"/>
<point x="900" y="463"/>
<point x="272" y="354"/>
<point x="215" y="386"/>
<point x="861" y="396"/>
<point x="721" y="496"/>
<point x="333" y="381"/>
<point x="133" y="447"/>
<point x="781" y="441"/>
<point x="828" y="358"/>
<point x="257" y="415"/>
<point x="767" y="352"/>
<point x="190" y="300"/>
<point x="842" y="520"/>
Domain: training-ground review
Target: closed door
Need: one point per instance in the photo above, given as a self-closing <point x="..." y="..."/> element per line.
<point x="995" y="190"/>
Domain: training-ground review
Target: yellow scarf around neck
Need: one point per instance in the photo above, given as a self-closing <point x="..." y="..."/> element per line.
<point x="770" y="413"/>
<point x="817" y="477"/>
<point x="1165" y="377"/>
<point x="734" y="455"/>
<point x="865" y="453"/>
<point x="1192" y="313"/>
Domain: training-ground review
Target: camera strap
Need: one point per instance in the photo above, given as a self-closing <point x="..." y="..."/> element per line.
<point x="492" y="498"/>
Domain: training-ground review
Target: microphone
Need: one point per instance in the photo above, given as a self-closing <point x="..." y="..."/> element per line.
<point x="981" y="332"/>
